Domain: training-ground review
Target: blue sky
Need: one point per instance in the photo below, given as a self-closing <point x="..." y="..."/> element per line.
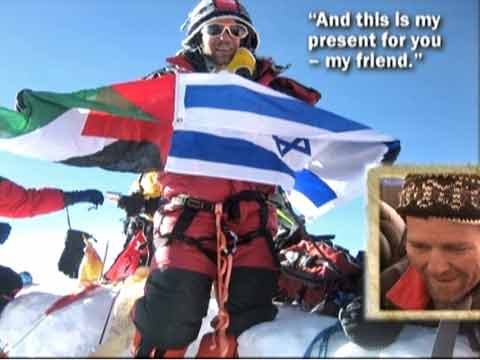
<point x="66" y="46"/>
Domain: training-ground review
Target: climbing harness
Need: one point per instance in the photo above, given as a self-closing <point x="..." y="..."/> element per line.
<point x="230" y="207"/>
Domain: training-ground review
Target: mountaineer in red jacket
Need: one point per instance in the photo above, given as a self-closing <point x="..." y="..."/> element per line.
<point x="169" y="315"/>
<point x="18" y="202"/>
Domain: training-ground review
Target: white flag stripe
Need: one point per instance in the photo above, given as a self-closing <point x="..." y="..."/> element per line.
<point x="219" y="119"/>
<point x="224" y="78"/>
<point x="65" y="130"/>
<point x="226" y="171"/>
<point x="300" y="202"/>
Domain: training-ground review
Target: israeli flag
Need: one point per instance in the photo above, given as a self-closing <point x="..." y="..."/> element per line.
<point x="230" y="127"/>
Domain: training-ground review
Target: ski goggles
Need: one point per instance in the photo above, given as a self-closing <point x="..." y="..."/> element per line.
<point x="235" y="30"/>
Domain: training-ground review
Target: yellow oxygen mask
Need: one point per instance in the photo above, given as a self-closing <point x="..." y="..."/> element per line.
<point x="243" y="63"/>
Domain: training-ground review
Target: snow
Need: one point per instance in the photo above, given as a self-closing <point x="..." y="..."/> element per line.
<point x="75" y="330"/>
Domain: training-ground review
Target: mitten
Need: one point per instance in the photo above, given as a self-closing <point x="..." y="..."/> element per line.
<point x="132" y="204"/>
<point x="92" y="196"/>
<point x="365" y="333"/>
<point x="72" y="254"/>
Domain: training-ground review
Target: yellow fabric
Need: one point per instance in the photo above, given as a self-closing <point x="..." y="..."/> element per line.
<point x="121" y="326"/>
<point x="151" y="187"/>
<point x="243" y="59"/>
<point x="91" y="266"/>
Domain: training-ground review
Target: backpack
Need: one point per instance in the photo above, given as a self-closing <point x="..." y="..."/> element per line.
<point x="315" y="273"/>
<point x="137" y="251"/>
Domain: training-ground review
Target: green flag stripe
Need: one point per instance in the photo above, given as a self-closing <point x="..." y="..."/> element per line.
<point x="12" y="123"/>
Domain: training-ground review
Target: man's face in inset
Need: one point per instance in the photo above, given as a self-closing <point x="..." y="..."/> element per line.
<point x="221" y="47"/>
<point x="447" y="254"/>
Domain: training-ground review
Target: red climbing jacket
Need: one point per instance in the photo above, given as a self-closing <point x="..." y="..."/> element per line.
<point x="18" y="202"/>
<point x="256" y="252"/>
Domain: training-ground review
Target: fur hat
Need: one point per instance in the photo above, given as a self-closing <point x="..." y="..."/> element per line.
<point x="455" y="197"/>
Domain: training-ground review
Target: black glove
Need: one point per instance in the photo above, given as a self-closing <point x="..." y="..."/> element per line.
<point x="132" y="204"/>
<point x="4" y="232"/>
<point x="92" y="196"/>
<point x="367" y="334"/>
<point x="72" y="254"/>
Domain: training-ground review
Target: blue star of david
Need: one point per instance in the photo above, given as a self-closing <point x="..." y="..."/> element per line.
<point x="299" y="144"/>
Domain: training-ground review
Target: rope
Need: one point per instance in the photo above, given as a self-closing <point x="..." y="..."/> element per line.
<point x="323" y="337"/>
<point x="224" y="270"/>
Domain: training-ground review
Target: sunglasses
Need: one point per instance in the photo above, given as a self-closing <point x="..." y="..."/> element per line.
<point x="235" y="30"/>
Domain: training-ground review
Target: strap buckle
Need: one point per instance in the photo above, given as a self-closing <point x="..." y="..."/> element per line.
<point x="232" y="241"/>
<point x="194" y="203"/>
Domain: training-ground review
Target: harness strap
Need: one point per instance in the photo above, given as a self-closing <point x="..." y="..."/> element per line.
<point x="197" y="242"/>
<point x="231" y="206"/>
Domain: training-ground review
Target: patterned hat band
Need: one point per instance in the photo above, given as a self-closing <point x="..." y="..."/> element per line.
<point x="455" y="197"/>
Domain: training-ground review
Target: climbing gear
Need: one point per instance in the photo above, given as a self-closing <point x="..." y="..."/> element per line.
<point x="243" y="63"/>
<point x="315" y="273"/>
<point x="231" y="208"/>
<point x="134" y="255"/>
<point x="445" y="339"/>
<point x="72" y="253"/>
<point x="207" y="10"/>
<point x="57" y="305"/>
<point x="364" y="333"/>
<point x="94" y="197"/>
<point x="323" y="338"/>
<point x="217" y="29"/>
<point x="138" y="248"/>
<point x="147" y="185"/>
<point x="218" y="344"/>
<point x="142" y="349"/>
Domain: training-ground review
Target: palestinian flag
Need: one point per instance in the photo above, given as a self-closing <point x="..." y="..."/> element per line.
<point x="123" y="127"/>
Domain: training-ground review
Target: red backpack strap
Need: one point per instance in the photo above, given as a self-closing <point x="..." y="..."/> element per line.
<point x="265" y="71"/>
<point x="295" y="89"/>
<point x="181" y="62"/>
<point x="267" y="74"/>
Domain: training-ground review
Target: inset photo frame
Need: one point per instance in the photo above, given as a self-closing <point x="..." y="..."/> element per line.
<point x="424" y="240"/>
